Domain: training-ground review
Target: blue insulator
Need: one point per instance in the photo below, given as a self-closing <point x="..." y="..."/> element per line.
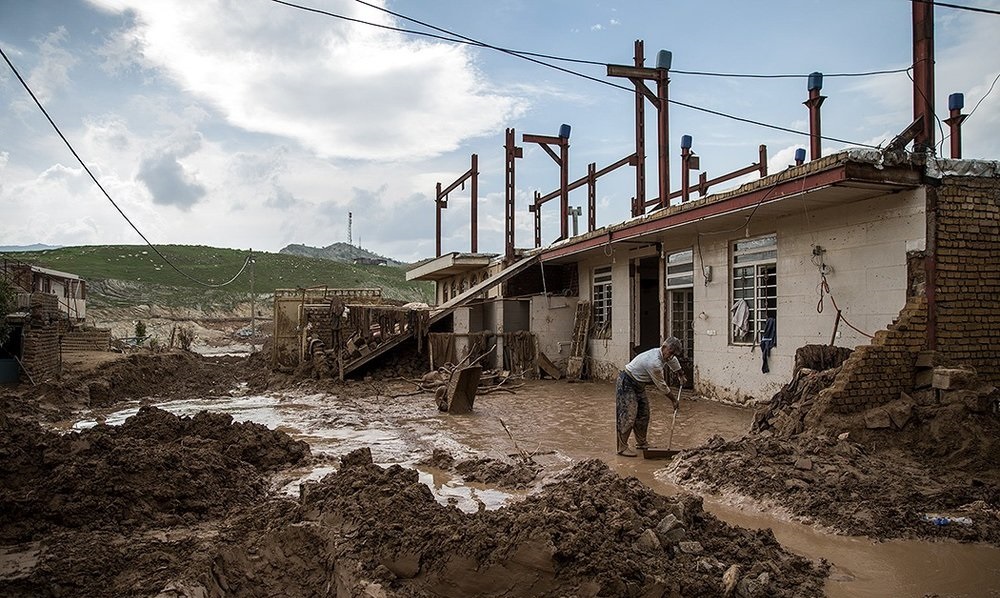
<point x="663" y="59"/>
<point x="815" y="81"/>
<point x="956" y="101"/>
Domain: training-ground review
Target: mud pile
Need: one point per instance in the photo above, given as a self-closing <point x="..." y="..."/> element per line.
<point x="924" y="465"/>
<point x="379" y="530"/>
<point x="163" y="375"/>
<point x="516" y="475"/>
<point x="155" y="470"/>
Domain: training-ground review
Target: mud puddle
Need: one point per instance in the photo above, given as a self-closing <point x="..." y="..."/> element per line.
<point x="561" y="424"/>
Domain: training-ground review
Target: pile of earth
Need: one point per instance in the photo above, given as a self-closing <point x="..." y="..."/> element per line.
<point x="516" y="475"/>
<point x="155" y="470"/>
<point x="924" y="465"/>
<point x="373" y="531"/>
<point x="145" y="374"/>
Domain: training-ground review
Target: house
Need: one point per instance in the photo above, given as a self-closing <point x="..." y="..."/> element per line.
<point x="70" y="289"/>
<point x="842" y="250"/>
<point x="49" y="319"/>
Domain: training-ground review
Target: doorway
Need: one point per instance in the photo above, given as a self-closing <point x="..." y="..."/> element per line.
<point x="646" y="290"/>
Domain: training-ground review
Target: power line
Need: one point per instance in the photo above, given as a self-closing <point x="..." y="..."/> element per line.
<point x="960" y="7"/>
<point x="101" y="187"/>
<point x="528" y="56"/>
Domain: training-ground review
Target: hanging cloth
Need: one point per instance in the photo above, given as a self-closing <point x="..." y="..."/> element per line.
<point x="767" y="341"/>
<point x="741" y="318"/>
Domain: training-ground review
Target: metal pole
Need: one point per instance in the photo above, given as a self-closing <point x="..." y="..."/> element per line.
<point x="475" y="198"/>
<point x="923" y="73"/>
<point x="639" y="203"/>
<point x="437" y="206"/>
<point x="253" y="305"/>
<point x="663" y="136"/>
<point x="564" y="188"/>
<point x="591" y="198"/>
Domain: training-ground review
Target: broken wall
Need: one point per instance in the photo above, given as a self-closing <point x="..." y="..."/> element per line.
<point x="964" y="233"/>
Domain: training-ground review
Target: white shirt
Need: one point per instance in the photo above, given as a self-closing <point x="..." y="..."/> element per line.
<point x="647" y="367"/>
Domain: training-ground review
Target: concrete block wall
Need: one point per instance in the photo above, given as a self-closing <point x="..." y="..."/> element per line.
<point x="968" y="273"/>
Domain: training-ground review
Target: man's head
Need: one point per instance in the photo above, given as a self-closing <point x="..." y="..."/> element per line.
<point x="671" y="348"/>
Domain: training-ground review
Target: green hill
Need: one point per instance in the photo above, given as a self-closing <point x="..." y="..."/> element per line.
<point x="121" y="275"/>
<point x="338" y="252"/>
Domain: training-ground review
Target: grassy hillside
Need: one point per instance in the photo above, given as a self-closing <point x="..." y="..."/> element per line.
<point x="131" y="274"/>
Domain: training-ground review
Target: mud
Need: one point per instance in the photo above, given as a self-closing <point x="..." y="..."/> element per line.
<point x="516" y="475"/>
<point x="591" y="533"/>
<point x="889" y="472"/>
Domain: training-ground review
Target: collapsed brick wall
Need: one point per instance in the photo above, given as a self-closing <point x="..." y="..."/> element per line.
<point x="964" y="232"/>
<point x="875" y="374"/>
<point x="968" y="273"/>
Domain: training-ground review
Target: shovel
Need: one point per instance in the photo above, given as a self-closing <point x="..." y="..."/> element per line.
<point x="667" y="453"/>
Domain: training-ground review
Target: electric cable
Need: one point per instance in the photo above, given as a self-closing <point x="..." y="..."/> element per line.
<point x="529" y="57"/>
<point x="960" y="7"/>
<point x="101" y="187"/>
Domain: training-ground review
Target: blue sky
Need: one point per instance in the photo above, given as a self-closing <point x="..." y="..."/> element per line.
<point x="253" y="124"/>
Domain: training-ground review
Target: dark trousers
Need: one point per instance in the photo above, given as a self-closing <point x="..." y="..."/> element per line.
<point x="631" y="411"/>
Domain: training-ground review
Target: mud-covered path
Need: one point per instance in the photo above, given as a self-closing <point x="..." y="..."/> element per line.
<point x="564" y="423"/>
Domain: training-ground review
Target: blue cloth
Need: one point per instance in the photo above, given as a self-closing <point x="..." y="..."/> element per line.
<point x="768" y="340"/>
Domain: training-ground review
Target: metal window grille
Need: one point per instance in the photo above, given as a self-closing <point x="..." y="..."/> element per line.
<point x="755" y="280"/>
<point x="601" y="298"/>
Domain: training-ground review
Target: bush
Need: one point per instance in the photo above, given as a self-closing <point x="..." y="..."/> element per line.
<point x="140" y="330"/>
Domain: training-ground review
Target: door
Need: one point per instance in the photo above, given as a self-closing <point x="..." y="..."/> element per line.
<point x="679" y="278"/>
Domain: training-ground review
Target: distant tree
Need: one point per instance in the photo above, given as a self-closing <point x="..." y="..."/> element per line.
<point x="140" y="330"/>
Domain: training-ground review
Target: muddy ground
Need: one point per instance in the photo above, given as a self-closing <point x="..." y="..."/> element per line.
<point x="172" y="506"/>
<point x="925" y="466"/>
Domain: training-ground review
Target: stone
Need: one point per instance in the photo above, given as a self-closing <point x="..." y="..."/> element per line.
<point x="670" y="530"/>
<point x="796" y="483"/>
<point x="648" y="542"/>
<point x="691" y="547"/>
<point x="730" y="579"/>
<point x="952" y="378"/>
<point x="926" y="359"/>
<point x="843" y="436"/>
<point x="804" y="463"/>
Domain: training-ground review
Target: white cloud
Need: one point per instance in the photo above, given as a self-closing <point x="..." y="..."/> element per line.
<point x="614" y="22"/>
<point x="52" y="73"/>
<point x="596" y="27"/>
<point x="342" y="90"/>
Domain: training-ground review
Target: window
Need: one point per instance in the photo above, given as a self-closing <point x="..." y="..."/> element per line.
<point x="680" y="269"/>
<point x="754" y="287"/>
<point x="602" y="301"/>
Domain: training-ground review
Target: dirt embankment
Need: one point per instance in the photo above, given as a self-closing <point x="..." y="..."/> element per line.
<point x="921" y="466"/>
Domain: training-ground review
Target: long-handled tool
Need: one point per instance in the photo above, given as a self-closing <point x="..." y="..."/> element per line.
<point x="667" y="453"/>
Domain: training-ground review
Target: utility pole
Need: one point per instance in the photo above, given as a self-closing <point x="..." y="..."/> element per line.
<point x="350" y="217"/>
<point x="253" y="308"/>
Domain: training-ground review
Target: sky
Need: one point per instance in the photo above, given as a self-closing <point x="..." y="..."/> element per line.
<point x="255" y="124"/>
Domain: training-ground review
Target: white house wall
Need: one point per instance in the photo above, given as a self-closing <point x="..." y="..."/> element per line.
<point x="866" y="244"/>
<point x="552" y="324"/>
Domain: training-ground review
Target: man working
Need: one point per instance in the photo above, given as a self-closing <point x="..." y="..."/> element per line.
<point x="632" y="406"/>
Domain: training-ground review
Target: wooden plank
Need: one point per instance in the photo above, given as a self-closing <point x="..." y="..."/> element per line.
<point x="548" y="367"/>
<point x="462" y="389"/>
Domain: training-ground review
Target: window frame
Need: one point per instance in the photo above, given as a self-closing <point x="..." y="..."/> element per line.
<point x="759" y="276"/>
<point x="601" y="299"/>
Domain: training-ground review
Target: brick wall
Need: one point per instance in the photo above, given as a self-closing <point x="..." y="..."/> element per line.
<point x="964" y="239"/>
<point x="968" y="273"/>
<point x="40" y="351"/>
<point x="875" y="374"/>
<point x="87" y="340"/>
